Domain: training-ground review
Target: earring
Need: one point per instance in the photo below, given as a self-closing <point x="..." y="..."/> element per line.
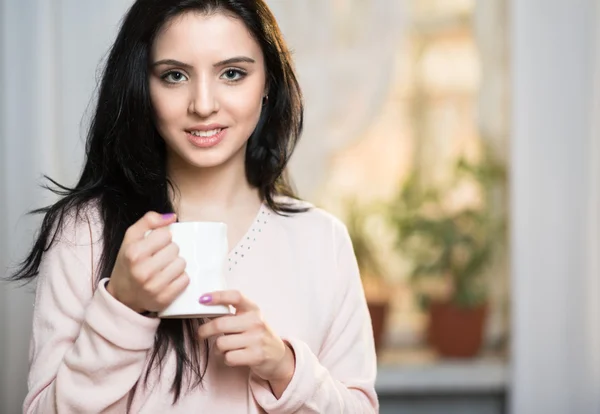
<point x="265" y="99"/>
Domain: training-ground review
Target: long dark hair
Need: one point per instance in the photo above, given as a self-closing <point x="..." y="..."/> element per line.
<point x="125" y="162"/>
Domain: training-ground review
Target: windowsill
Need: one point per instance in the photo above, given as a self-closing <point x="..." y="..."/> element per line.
<point x="410" y="371"/>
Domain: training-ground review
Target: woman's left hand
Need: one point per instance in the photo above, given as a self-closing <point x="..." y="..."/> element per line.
<point x="245" y="339"/>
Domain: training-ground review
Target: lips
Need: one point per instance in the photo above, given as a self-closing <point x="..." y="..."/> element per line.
<point x="205" y="127"/>
<point x="206" y="138"/>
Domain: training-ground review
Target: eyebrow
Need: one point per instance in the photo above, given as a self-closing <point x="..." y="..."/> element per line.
<point x="230" y="61"/>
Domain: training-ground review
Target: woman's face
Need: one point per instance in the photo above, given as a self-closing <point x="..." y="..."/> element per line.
<point x="207" y="83"/>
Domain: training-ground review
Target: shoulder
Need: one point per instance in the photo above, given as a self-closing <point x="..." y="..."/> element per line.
<point x="312" y="221"/>
<point x="78" y="225"/>
<point x="73" y="248"/>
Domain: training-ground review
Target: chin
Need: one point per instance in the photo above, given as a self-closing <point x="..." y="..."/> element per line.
<point x="211" y="158"/>
<point x="206" y="160"/>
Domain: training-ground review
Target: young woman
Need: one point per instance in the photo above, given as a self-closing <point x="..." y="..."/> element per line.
<point x="198" y="113"/>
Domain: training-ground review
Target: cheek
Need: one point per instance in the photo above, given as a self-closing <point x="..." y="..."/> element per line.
<point x="168" y="106"/>
<point x="245" y="106"/>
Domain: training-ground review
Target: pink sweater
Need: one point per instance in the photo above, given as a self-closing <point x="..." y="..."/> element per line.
<point x="88" y="350"/>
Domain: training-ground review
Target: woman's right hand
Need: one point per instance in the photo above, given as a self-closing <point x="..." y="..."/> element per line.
<point x="148" y="274"/>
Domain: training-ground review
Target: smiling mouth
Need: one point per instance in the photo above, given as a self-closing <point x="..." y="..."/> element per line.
<point x="206" y="139"/>
<point x="206" y="134"/>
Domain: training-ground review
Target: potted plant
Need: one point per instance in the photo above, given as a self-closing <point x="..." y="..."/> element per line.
<point x="371" y="271"/>
<point x="454" y="247"/>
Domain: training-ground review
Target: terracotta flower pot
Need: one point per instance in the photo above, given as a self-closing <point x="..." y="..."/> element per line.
<point x="379" y="313"/>
<point x="456" y="332"/>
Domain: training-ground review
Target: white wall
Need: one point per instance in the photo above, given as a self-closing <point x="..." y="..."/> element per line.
<point x="17" y="85"/>
<point x="3" y="205"/>
<point x="554" y="205"/>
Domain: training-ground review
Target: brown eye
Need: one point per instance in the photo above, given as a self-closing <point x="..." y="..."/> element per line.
<point x="174" y="77"/>
<point x="233" y="75"/>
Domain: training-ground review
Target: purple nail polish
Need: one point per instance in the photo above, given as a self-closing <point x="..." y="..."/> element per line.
<point x="167" y="216"/>
<point x="205" y="299"/>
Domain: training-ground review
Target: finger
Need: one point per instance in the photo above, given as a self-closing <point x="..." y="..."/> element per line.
<point x="241" y="357"/>
<point x="157" y="239"/>
<point x="151" y="245"/>
<point x="229" y="297"/>
<point x="172" y="291"/>
<point x="150" y="221"/>
<point x="226" y="343"/>
<point x="166" y="276"/>
<point x="226" y="325"/>
<point x="161" y="258"/>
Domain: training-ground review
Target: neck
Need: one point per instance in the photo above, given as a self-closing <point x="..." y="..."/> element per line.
<point x="210" y="193"/>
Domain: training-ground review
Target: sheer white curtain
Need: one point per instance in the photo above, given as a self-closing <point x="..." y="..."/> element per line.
<point x="344" y="52"/>
<point x="555" y="178"/>
<point x="49" y="56"/>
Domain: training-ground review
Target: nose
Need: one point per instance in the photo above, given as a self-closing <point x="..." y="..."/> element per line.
<point x="204" y="100"/>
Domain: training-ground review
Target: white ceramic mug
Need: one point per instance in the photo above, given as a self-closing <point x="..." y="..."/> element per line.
<point x="204" y="247"/>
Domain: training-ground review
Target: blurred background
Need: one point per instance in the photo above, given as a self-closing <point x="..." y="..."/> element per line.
<point x="459" y="140"/>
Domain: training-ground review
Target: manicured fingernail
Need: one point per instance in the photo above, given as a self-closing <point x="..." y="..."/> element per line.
<point x="205" y="298"/>
<point x="168" y="216"/>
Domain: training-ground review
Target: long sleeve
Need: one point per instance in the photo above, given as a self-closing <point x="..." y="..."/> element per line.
<point x="341" y="378"/>
<point x="87" y="350"/>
